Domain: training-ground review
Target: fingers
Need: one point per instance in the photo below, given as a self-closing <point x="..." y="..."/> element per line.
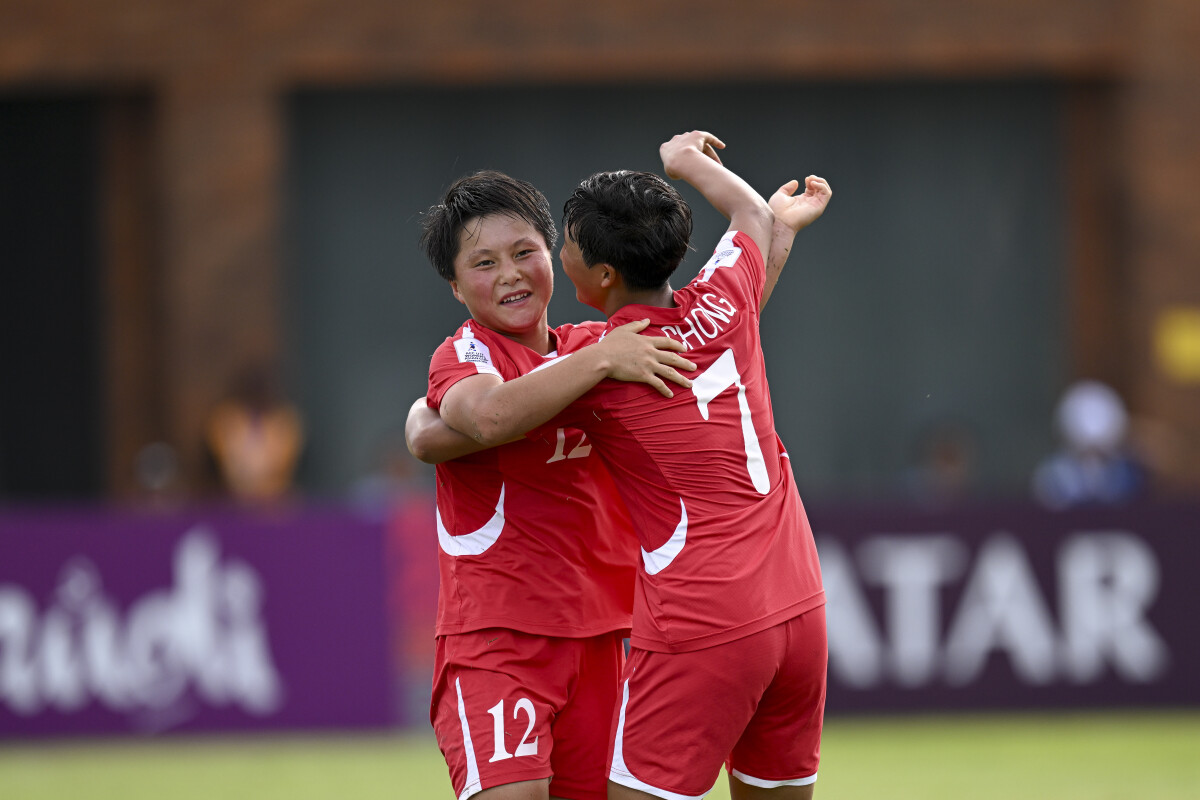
<point x="661" y="387"/>
<point x="633" y="327"/>
<point x="675" y="377"/>
<point x="706" y="141"/>
<point x="817" y="185"/>
<point x="652" y="360"/>
<point x="664" y="343"/>
<point x="790" y="187"/>
<point x="669" y="360"/>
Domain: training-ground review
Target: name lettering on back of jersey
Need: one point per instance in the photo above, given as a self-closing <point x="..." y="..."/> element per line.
<point x="705" y="322"/>
<point x="726" y="255"/>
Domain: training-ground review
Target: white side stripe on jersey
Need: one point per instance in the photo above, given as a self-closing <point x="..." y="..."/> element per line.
<point x="620" y="772"/>
<point x="472" y="785"/>
<point x="475" y="543"/>
<point x="659" y="559"/>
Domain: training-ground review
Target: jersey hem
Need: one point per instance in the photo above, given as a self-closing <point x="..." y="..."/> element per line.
<point x="624" y="778"/>
<point x="729" y="634"/>
<point x="765" y="784"/>
<point x="557" y="632"/>
<point x="503" y="780"/>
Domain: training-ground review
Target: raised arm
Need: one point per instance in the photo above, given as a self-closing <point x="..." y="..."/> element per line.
<point x="491" y="411"/>
<point x="793" y="213"/>
<point x="692" y="157"/>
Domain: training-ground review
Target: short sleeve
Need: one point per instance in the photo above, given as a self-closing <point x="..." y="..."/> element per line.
<point x="737" y="261"/>
<point x="458" y="357"/>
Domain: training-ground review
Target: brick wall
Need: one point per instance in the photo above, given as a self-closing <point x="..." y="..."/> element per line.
<point x="210" y="74"/>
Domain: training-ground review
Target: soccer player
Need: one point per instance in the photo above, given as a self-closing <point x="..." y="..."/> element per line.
<point x="537" y="556"/>
<point x="729" y="648"/>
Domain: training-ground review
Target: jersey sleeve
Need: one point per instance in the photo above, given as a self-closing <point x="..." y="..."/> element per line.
<point x="737" y="263"/>
<point x="458" y="357"/>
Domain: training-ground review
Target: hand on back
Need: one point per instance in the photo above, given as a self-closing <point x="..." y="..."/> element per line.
<point x="645" y="359"/>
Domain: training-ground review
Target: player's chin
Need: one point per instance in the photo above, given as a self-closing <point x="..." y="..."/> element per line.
<point x="521" y="316"/>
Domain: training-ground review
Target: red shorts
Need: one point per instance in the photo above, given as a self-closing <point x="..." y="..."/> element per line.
<point x="510" y="706"/>
<point x="756" y="704"/>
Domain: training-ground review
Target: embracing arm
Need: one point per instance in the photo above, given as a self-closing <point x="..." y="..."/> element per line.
<point x="793" y="213"/>
<point x="491" y="411"/>
<point x="431" y="440"/>
<point x="693" y="158"/>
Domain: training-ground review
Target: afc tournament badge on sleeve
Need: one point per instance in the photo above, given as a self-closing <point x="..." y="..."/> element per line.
<point x="472" y="351"/>
<point x="726" y="255"/>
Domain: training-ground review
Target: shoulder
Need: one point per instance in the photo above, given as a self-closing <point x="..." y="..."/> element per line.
<point x="471" y="346"/>
<point x="736" y="262"/>
<point x="572" y="337"/>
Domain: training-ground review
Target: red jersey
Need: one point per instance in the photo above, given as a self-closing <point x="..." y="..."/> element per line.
<point x="726" y="546"/>
<point x="532" y="534"/>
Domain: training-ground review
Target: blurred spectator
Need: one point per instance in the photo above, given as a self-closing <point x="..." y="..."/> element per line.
<point x="156" y="475"/>
<point x="1095" y="465"/>
<point x="394" y="477"/>
<point x="256" y="435"/>
<point x="398" y="492"/>
<point x="945" y="465"/>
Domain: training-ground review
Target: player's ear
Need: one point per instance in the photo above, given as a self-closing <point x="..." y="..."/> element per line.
<point x="608" y="276"/>
<point x="457" y="296"/>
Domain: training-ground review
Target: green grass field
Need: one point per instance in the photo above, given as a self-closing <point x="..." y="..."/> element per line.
<point x="1064" y="756"/>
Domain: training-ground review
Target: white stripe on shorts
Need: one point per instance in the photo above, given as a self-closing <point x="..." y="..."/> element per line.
<point x="744" y="778"/>
<point x="472" y="785"/>
<point x="620" y="772"/>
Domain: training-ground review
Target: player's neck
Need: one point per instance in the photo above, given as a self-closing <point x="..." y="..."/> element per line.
<point x="662" y="297"/>
<point x="536" y="337"/>
<point x="538" y="341"/>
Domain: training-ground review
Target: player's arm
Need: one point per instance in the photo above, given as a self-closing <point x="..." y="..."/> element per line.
<point x="793" y="213"/>
<point x="692" y="157"/>
<point x="431" y="440"/>
<point x="492" y="411"/>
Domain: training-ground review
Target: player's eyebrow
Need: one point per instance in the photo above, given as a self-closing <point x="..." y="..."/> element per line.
<point x="524" y="241"/>
<point x="479" y="251"/>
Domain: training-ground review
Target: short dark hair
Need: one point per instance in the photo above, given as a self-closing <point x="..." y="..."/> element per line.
<point x="634" y="221"/>
<point x="473" y="197"/>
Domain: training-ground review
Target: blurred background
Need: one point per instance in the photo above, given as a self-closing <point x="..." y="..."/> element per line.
<point x="985" y="358"/>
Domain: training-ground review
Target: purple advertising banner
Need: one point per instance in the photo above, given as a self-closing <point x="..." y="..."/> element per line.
<point x="123" y="622"/>
<point x="1011" y="608"/>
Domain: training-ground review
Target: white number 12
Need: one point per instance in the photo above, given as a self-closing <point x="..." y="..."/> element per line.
<point x="524" y="748"/>
<point x="722" y="375"/>
<point x="581" y="450"/>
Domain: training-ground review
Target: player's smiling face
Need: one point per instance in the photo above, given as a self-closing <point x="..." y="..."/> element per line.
<point x="504" y="275"/>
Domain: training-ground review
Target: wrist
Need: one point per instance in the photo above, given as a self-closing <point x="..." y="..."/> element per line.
<point x="783" y="230"/>
<point x="599" y="363"/>
<point x="680" y="158"/>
